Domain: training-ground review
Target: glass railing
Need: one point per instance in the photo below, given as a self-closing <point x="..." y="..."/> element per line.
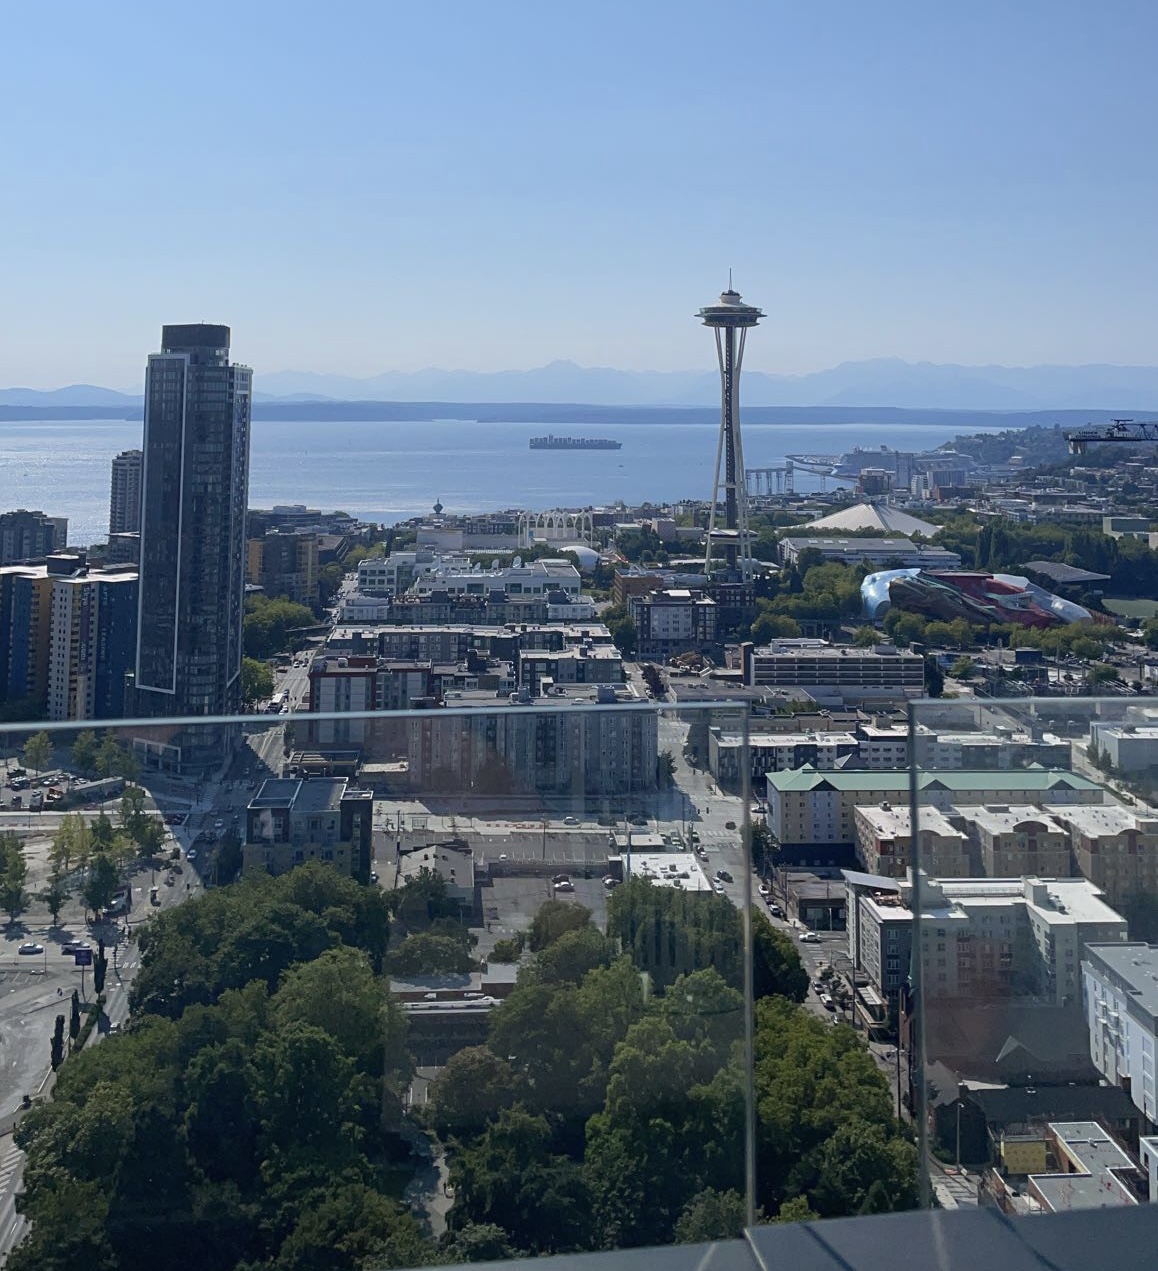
<point x="1007" y="940"/>
<point x="520" y="977"/>
<point x="500" y="978"/>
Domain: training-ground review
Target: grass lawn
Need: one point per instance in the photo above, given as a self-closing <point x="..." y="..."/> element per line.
<point x="1132" y="608"/>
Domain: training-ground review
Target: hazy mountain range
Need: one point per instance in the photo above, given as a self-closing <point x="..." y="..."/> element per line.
<point x="879" y="382"/>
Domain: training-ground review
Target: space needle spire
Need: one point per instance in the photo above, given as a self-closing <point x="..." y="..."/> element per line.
<point x="731" y="544"/>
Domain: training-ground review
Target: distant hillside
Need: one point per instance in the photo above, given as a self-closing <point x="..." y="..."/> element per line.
<point x="879" y="384"/>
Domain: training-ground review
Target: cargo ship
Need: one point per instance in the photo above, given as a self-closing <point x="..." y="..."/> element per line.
<point x="551" y="442"/>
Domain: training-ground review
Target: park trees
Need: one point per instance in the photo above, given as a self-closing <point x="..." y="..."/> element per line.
<point x="13" y="875"/>
<point x="38" y="752"/>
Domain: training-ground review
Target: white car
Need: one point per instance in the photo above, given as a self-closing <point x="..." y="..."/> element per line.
<point x="570" y="820"/>
<point x="566" y="885"/>
<point x="219" y="824"/>
<point x="764" y="889"/>
<point x="809" y="937"/>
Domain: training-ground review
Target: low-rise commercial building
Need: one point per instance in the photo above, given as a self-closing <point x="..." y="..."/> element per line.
<point x="452" y="860"/>
<point x="289" y="822"/>
<point x="1129" y="747"/>
<point x="539" y="578"/>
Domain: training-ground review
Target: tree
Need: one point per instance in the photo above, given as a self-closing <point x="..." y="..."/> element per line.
<point x="71" y="844"/>
<point x="477" y="1242"/>
<point x="712" y="1215"/>
<point x="426" y="953"/>
<point x="568" y="959"/>
<point x="101" y="882"/>
<point x="866" y="637"/>
<point x="57" y="1049"/>
<point x="508" y="950"/>
<point x="55" y="896"/>
<point x="554" y="919"/>
<point x="470" y="1092"/>
<point x="100" y="969"/>
<point x="256" y="681"/>
<point x="13" y="876"/>
<point x="74" y="1017"/>
<point x="84" y="750"/>
<point x="38" y="752"/>
<point x="114" y="760"/>
<point x="511" y="1178"/>
<point x="963" y="668"/>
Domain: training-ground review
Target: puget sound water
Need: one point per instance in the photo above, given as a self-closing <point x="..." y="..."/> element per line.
<point x="391" y="471"/>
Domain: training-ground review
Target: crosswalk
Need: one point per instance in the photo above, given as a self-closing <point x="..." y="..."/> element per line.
<point x="8" y="1166"/>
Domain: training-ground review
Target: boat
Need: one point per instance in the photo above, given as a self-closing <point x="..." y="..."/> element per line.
<point x="551" y="442"/>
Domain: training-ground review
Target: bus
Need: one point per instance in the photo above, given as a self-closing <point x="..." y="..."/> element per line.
<point x="277" y="703"/>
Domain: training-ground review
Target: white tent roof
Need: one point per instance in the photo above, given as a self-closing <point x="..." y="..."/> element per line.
<point x="872" y="516"/>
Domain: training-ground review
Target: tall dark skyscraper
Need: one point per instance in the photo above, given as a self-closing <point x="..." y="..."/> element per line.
<point x="195" y="488"/>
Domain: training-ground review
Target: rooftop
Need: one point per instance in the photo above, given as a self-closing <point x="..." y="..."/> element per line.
<point x="893" y="822"/>
<point x="1094" y="1181"/>
<point x="873" y="516"/>
<point x="1025" y="779"/>
<point x="1136" y="968"/>
<point x="318" y="794"/>
<point x="1007" y="818"/>
<point x="670" y="869"/>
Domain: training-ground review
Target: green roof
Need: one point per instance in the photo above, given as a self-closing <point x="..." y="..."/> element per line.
<point x="1021" y="779"/>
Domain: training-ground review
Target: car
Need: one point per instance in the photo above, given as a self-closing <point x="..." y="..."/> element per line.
<point x="809" y="937"/>
<point x="775" y="910"/>
<point x="373" y="877"/>
<point x="764" y="889"/>
<point x="610" y="881"/>
<point x="827" y="1002"/>
<point x="30" y="949"/>
<point x="502" y="856"/>
<point x="430" y="997"/>
<point x="568" y="885"/>
<point x="570" y="820"/>
<point x="74" y="946"/>
<point x="718" y="887"/>
<point x="219" y="824"/>
<point x="724" y="876"/>
<point x="191" y="854"/>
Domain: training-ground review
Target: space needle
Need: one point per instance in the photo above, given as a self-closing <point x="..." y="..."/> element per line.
<point x="732" y="542"/>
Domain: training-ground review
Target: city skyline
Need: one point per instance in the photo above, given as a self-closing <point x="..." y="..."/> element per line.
<point x="936" y="186"/>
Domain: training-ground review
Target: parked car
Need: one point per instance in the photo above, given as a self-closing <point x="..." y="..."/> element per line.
<point x="775" y="910"/>
<point x="724" y="876"/>
<point x="827" y="1002"/>
<point x="570" y="820"/>
<point x="566" y="885"/>
<point x="74" y="946"/>
<point x="610" y="881"/>
<point x="30" y="948"/>
<point x="764" y="889"/>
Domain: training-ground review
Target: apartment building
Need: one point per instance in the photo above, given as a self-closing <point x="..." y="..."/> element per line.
<point x="671" y="622"/>
<point x="986" y="938"/>
<point x="1017" y="839"/>
<point x="884" y="842"/>
<point x="776" y="752"/>
<point x="284" y="563"/>
<point x="290" y="822"/>
<point x="1120" y="1000"/>
<point x="1114" y="846"/>
<point x="852" y="674"/>
<point x="811" y="809"/>
<point x="92" y="643"/>
<point x="545" y="745"/>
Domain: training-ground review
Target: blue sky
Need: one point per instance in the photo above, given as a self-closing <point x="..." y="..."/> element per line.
<point x="364" y="186"/>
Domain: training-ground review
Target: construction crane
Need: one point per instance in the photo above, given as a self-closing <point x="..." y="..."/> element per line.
<point x="1116" y="430"/>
